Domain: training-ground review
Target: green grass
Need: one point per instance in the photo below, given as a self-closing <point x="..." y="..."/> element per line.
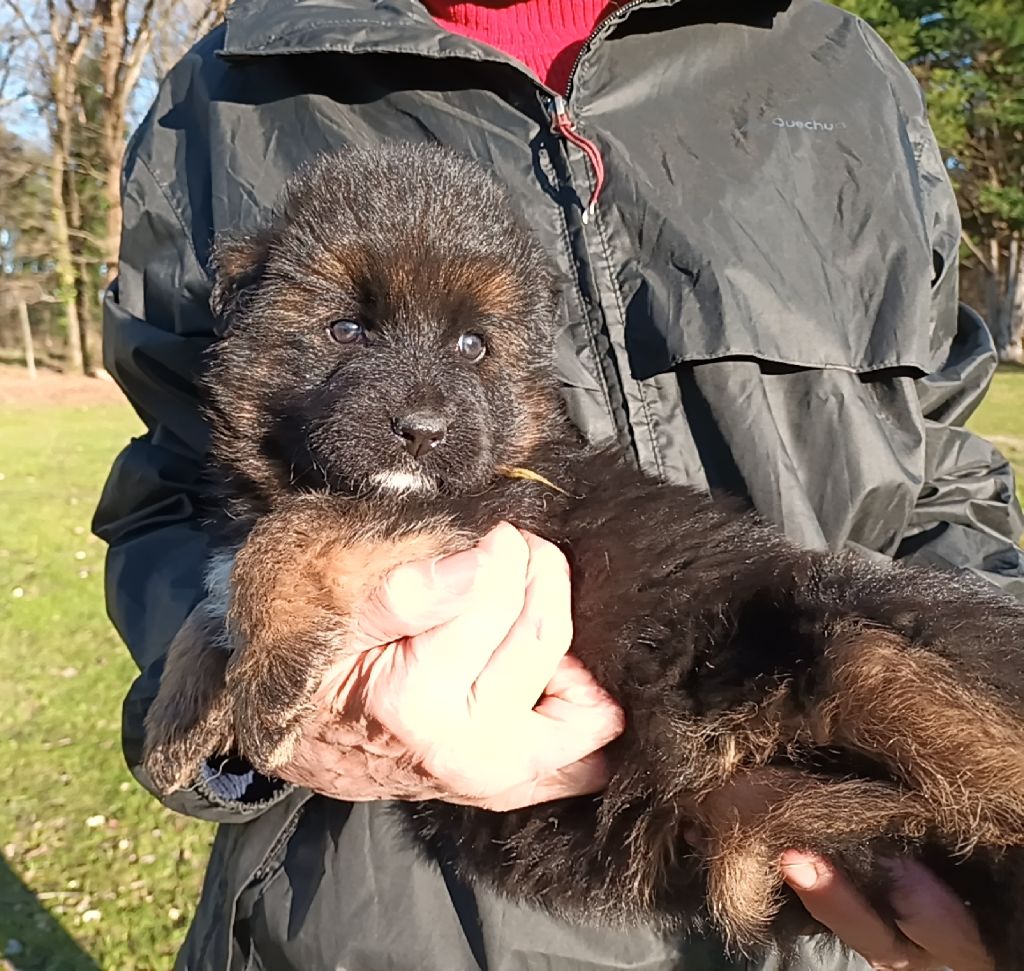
<point x="1000" y="418"/>
<point x="64" y="673"/>
<point x="113" y="876"/>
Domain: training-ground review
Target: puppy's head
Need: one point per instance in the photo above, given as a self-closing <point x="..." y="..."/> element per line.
<point x="390" y="331"/>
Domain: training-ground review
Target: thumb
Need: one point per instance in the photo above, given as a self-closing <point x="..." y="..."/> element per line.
<point x="416" y="597"/>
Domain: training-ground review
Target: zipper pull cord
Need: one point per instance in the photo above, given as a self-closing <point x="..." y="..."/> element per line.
<point x="562" y="124"/>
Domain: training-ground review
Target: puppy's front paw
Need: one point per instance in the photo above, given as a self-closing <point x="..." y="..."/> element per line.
<point x="271" y="699"/>
<point x="296" y="584"/>
<point x="190" y="718"/>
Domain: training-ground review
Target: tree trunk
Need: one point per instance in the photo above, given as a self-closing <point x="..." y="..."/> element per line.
<point x="1008" y="329"/>
<point x="86" y="316"/>
<point x="127" y="39"/>
<point x="64" y="265"/>
<point x="26" y="338"/>
<point x="112" y="237"/>
<point x="82" y="282"/>
<point x="1015" y="348"/>
<point x="112" y="54"/>
<point x="63" y="257"/>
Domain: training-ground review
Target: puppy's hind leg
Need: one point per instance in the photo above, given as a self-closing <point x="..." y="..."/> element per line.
<point x="745" y="826"/>
<point x="924" y="674"/>
<point x="930" y="726"/>
<point x="190" y="719"/>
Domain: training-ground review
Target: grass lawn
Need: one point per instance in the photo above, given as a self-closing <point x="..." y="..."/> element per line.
<point x="113" y="876"/>
<point x="1000" y="418"/>
<point x="94" y="873"/>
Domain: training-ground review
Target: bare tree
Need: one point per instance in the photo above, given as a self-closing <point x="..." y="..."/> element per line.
<point x="59" y="32"/>
<point x="128" y="31"/>
<point x="192" y="20"/>
<point x="71" y="47"/>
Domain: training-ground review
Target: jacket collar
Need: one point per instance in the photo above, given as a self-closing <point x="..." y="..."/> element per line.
<point x="359" y="26"/>
<point x="257" y="27"/>
<point x="349" y="26"/>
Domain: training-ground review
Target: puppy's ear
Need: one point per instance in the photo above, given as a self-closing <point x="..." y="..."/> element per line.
<point x="237" y="263"/>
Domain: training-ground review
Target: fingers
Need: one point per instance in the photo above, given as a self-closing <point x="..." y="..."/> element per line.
<point x="567" y="727"/>
<point x="460" y="687"/>
<point x="939" y="930"/>
<point x="587" y="776"/>
<point x="831" y="899"/>
<point x="934" y="918"/>
<point x="418" y="597"/>
<point x="519" y="670"/>
<point x="574" y="704"/>
<point x="415" y="598"/>
<point x="459" y="650"/>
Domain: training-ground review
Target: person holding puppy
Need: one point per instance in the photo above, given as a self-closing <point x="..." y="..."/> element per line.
<point x="768" y="309"/>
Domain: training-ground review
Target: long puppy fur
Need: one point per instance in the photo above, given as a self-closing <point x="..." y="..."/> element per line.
<point x="774" y="697"/>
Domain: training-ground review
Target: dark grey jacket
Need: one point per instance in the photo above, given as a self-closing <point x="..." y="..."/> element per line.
<point x="764" y="302"/>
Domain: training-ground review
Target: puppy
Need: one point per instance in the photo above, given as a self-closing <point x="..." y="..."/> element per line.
<point x="385" y="391"/>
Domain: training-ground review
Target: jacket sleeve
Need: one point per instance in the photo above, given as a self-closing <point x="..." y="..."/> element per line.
<point x="156" y="325"/>
<point x="967" y="515"/>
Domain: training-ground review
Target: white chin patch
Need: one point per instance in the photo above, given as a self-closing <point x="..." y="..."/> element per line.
<point x="401" y="482"/>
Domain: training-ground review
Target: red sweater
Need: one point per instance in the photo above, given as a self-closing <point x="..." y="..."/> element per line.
<point x="546" y="35"/>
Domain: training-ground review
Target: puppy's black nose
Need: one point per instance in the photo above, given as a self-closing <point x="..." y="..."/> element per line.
<point x="420" y="431"/>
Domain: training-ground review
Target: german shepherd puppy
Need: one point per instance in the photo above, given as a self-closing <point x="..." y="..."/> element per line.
<point x="385" y="391"/>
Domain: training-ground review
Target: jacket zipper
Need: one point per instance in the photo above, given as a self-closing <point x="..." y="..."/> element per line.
<point x="563" y="125"/>
<point x="562" y="122"/>
<point x="614" y="17"/>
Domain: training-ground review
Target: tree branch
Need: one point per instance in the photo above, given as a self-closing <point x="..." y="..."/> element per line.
<point x="19" y="14"/>
<point x="212" y="14"/>
<point x="978" y="253"/>
<point x="86" y="237"/>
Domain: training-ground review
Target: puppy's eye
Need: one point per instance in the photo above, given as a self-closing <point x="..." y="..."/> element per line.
<point x="346" y="331"/>
<point x="471" y="347"/>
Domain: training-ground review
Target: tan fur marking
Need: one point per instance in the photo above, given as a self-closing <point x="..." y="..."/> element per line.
<point x="496" y="290"/>
<point x="749" y="823"/>
<point x="911" y="710"/>
<point x="538" y="407"/>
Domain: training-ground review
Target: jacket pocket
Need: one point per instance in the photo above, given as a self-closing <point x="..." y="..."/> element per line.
<point x="787" y="294"/>
<point x="807" y="243"/>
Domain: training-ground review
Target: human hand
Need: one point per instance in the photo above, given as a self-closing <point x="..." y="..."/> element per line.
<point x="938" y="930"/>
<point x="458" y="686"/>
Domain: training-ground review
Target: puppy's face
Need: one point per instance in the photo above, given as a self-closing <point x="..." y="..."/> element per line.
<point x="390" y="333"/>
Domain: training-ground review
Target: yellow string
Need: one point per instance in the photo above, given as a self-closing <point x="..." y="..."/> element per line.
<point x="529" y="474"/>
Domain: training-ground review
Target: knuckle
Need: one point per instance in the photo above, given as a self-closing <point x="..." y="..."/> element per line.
<point x="548" y="558"/>
<point x="402" y="586"/>
<point x="555" y="630"/>
<point x="613" y="722"/>
<point x="513" y="540"/>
